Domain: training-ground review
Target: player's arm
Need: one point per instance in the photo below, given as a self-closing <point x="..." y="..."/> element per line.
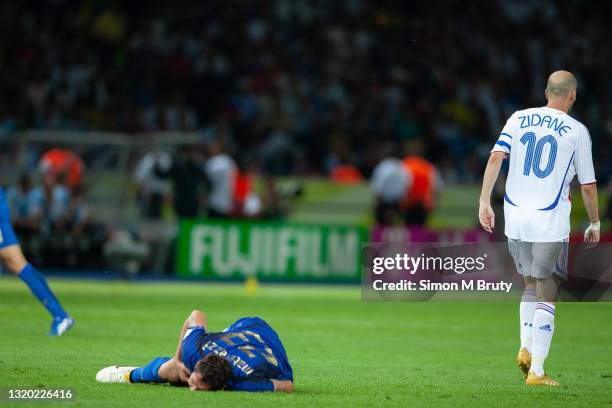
<point x="283" y="385"/>
<point x="174" y="370"/>
<point x="262" y="385"/>
<point x="196" y="318"/>
<point x="589" y="196"/>
<point x="486" y="215"/>
<point x="586" y="176"/>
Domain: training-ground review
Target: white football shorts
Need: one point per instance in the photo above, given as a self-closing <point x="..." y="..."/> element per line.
<point x="540" y="260"/>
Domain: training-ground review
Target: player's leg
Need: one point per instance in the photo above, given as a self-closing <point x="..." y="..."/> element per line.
<point x="14" y="260"/>
<point x="159" y="370"/>
<point x="543" y="323"/>
<point x="522" y="256"/>
<point x="527" y="309"/>
<point x="150" y="373"/>
<point x="546" y="256"/>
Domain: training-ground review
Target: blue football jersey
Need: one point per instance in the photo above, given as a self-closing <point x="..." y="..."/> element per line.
<point x="253" y="349"/>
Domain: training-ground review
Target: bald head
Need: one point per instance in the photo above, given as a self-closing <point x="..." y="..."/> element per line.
<point x="561" y="90"/>
<point x="561" y="84"/>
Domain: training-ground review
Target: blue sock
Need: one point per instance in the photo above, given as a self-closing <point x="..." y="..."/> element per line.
<point x="38" y="285"/>
<point x="149" y="372"/>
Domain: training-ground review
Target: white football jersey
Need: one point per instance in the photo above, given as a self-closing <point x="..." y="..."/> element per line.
<point x="547" y="148"/>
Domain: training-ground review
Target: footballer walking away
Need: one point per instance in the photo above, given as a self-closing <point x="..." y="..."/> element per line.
<point x="12" y="257"/>
<point x="247" y="356"/>
<point x="547" y="148"/>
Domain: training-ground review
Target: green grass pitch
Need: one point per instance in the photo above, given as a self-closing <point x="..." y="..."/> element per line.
<point x="344" y="352"/>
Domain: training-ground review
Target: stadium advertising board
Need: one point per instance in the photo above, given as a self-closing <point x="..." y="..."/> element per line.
<point x="381" y="233"/>
<point x="269" y="251"/>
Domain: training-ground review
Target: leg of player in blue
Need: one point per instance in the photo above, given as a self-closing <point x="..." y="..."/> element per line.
<point x="14" y="260"/>
<point x="159" y="371"/>
<point x="149" y="373"/>
<point x="16" y="263"/>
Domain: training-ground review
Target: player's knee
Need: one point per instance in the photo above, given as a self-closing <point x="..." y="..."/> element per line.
<point x="13" y="259"/>
<point x="548" y="289"/>
<point x="530" y="283"/>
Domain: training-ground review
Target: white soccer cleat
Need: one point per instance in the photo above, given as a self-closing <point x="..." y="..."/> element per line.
<point x="114" y="374"/>
<point x="61" y="326"/>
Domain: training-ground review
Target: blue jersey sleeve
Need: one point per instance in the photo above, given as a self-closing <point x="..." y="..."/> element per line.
<point x="255" y="385"/>
<point x="191" y="346"/>
<point x="504" y="142"/>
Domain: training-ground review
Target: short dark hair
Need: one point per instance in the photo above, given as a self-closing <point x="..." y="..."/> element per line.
<point x="215" y="371"/>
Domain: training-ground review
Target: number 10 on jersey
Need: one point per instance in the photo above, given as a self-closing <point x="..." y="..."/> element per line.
<point x="533" y="157"/>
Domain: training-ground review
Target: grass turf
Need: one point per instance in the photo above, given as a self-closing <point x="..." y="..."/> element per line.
<point x="344" y="352"/>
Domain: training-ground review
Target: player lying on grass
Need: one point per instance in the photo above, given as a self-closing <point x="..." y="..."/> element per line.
<point x="14" y="260"/>
<point x="247" y="356"/>
<point x="547" y="148"/>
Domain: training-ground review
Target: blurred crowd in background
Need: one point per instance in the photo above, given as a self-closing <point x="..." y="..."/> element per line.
<point x="303" y="87"/>
<point x="50" y="214"/>
<point x="205" y="180"/>
<point x="56" y="225"/>
<point x="51" y="199"/>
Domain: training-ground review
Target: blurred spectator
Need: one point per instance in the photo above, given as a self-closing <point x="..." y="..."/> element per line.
<point x="57" y="199"/>
<point x="424" y="188"/>
<point x="247" y="202"/>
<point x="346" y="174"/>
<point x="222" y="172"/>
<point x="64" y="163"/>
<point x="152" y="189"/>
<point x="278" y="153"/>
<point x="187" y="175"/>
<point x="178" y="115"/>
<point x="390" y="181"/>
<point x="27" y="204"/>
<point x="80" y="218"/>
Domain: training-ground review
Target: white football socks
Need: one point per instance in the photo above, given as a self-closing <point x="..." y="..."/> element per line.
<point x="543" y="329"/>
<point x="527" y="309"/>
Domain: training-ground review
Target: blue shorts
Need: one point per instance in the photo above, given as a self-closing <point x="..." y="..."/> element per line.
<point x="271" y="338"/>
<point x="7" y="234"/>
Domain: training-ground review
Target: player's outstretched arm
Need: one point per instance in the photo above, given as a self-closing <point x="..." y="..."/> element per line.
<point x="589" y="196"/>
<point x="486" y="216"/>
